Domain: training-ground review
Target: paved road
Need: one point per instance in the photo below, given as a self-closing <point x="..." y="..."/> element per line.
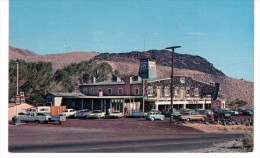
<point x="125" y="135"/>
<point x="177" y="144"/>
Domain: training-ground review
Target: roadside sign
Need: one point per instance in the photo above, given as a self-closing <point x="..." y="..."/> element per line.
<point x="17" y="100"/>
<point x="216" y="104"/>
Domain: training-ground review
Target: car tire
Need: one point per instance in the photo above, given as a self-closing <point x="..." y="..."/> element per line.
<point x="152" y="119"/>
<point x="187" y="119"/>
<point x="203" y="119"/>
<point x="37" y="121"/>
<point x="162" y="118"/>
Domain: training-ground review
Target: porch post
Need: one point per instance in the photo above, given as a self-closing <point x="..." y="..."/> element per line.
<point x="92" y="108"/>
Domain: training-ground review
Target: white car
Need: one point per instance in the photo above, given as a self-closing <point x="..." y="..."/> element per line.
<point x="116" y="114"/>
<point x="81" y="113"/>
<point x="68" y="112"/>
<point x="95" y="114"/>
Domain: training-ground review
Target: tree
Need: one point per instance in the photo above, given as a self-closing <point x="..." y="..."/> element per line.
<point x="238" y="103"/>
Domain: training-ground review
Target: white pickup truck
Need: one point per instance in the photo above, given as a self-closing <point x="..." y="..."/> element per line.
<point x="39" y="115"/>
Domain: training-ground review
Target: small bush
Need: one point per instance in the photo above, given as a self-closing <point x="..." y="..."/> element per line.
<point x="248" y="142"/>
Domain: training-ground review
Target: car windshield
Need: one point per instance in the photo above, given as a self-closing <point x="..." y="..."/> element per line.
<point x="66" y="110"/>
<point x="96" y="111"/>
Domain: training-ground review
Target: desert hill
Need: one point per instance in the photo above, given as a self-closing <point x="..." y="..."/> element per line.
<point x="128" y="63"/>
<point x="58" y="60"/>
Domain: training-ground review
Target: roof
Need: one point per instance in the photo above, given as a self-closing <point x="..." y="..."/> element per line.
<point x="56" y="94"/>
<point x="110" y="83"/>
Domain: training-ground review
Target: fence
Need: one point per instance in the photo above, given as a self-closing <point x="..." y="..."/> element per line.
<point x="56" y="110"/>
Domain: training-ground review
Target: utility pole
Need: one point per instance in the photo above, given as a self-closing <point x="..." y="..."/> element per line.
<point x="172" y="48"/>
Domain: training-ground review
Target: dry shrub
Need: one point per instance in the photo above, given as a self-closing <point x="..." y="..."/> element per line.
<point x="248" y="142"/>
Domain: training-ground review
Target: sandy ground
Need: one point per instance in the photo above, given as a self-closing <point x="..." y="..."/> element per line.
<point x="12" y="109"/>
<point x="220" y="128"/>
<point x="227" y="147"/>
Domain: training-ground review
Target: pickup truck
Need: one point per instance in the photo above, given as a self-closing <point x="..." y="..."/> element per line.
<point x="37" y="117"/>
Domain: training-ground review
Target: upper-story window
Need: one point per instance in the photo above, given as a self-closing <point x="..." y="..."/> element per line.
<point x="166" y="91"/>
<point x="100" y="89"/>
<point x="92" y="90"/>
<point x="120" y="91"/>
<point x="109" y="91"/>
<point x="182" y="79"/>
<point x="150" y="90"/>
<point x="177" y="92"/>
<point x="137" y="91"/>
<point x="196" y="92"/>
<point x="188" y="91"/>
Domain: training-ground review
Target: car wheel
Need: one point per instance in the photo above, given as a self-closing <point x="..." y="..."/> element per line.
<point x="152" y="119"/>
<point x="162" y="118"/>
<point x="37" y="121"/>
<point x="187" y="119"/>
<point x="203" y="119"/>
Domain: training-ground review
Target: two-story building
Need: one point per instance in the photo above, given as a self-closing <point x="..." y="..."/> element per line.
<point x="143" y="92"/>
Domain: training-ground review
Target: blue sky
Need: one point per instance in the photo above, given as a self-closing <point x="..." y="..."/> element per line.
<point x="222" y="31"/>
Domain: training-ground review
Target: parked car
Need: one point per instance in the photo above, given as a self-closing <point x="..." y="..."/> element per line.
<point x="190" y="116"/>
<point x="81" y="113"/>
<point x="247" y="112"/>
<point x="167" y="113"/>
<point x="37" y="117"/>
<point x="154" y="116"/>
<point x="137" y="113"/>
<point x="68" y="112"/>
<point x="240" y="111"/>
<point x="95" y="114"/>
<point x="176" y="114"/>
<point x="222" y="114"/>
<point x="115" y="114"/>
<point x="226" y="110"/>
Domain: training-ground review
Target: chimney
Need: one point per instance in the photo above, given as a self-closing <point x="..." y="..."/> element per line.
<point x="94" y="80"/>
<point x="128" y="82"/>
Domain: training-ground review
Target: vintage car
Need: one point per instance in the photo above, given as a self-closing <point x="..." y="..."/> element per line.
<point x="81" y="113"/>
<point x="137" y="113"/>
<point x="190" y="116"/>
<point x="68" y="113"/>
<point x="154" y="116"/>
<point x="115" y="114"/>
<point x="95" y="114"/>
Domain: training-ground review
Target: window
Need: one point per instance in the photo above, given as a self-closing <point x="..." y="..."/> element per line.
<point x="150" y="91"/>
<point x="182" y="79"/>
<point x="166" y="91"/>
<point x="137" y="91"/>
<point x="109" y="91"/>
<point x="177" y="92"/>
<point x="100" y="89"/>
<point x="92" y="90"/>
<point x="120" y="91"/>
<point x="196" y="91"/>
<point x="187" y="91"/>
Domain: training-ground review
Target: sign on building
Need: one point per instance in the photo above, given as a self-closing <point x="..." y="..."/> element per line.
<point x="17" y="100"/>
<point x="216" y="105"/>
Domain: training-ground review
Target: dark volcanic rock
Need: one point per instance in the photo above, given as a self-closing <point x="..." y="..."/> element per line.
<point x="163" y="57"/>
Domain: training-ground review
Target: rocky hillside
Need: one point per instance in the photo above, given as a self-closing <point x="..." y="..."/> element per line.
<point x="163" y="57"/>
<point x="58" y="60"/>
<point x="19" y="53"/>
<point x="128" y="63"/>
